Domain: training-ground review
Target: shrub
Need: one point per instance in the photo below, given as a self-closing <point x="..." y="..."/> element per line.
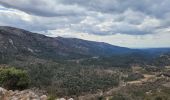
<point x="133" y="77"/>
<point x="119" y="97"/>
<point x="12" y="78"/>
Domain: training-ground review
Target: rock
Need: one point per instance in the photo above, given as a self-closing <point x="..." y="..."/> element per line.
<point x="2" y="93"/>
<point x="71" y="99"/>
<point x="43" y="97"/>
<point x="20" y="95"/>
<point x="2" y="89"/>
<point x="24" y="95"/>
<point x="61" y="99"/>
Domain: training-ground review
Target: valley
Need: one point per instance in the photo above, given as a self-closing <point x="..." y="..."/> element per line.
<point x="80" y="69"/>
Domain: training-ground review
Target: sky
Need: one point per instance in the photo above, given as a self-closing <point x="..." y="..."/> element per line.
<point x="126" y="23"/>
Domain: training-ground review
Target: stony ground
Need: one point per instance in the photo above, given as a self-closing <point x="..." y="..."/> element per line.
<point x="20" y="95"/>
<point x="29" y="94"/>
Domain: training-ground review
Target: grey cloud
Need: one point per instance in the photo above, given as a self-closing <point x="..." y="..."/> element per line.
<point x="35" y="23"/>
<point x="155" y="8"/>
<point x="151" y="7"/>
<point x="101" y="17"/>
<point x="44" y="7"/>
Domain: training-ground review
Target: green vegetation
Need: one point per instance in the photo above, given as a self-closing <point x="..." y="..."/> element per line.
<point x="78" y="77"/>
<point x="71" y="79"/>
<point x="51" y="97"/>
<point x="119" y="97"/>
<point x="133" y="77"/>
<point x="12" y="78"/>
<point x="147" y="91"/>
<point x="73" y="67"/>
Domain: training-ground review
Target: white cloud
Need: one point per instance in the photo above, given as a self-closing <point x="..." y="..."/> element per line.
<point x="129" y="23"/>
<point x="160" y="39"/>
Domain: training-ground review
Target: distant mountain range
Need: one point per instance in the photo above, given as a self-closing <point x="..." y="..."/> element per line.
<point x="18" y="42"/>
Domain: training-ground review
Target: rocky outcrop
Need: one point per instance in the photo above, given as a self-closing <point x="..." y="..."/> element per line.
<point x="20" y="95"/>
<point x="29" y="94"/>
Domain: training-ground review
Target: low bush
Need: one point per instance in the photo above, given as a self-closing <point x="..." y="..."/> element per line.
<point x="12" y="78"/>
<point x="133" y="77"/>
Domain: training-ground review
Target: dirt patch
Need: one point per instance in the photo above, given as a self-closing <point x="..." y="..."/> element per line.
<point x="145" y="79"/>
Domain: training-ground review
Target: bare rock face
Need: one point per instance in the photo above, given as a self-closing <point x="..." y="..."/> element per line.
<point x="20" y="95"/>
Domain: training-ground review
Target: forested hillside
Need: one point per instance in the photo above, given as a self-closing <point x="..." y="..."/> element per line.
<point x="74" y="67"/>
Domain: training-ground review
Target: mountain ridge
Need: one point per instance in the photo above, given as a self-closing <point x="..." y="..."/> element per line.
<point x="15" y="41"/>
<point x="19" y="42"/>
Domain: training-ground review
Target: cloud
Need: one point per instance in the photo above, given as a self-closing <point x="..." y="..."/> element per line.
<point x="99" y="18"/>
<point x="43" y="7"/>
<point x="149" y="7"/>
<point x="159" y="39"/>
<point x="17" y="18"/>
<point x="156" y="8"/>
